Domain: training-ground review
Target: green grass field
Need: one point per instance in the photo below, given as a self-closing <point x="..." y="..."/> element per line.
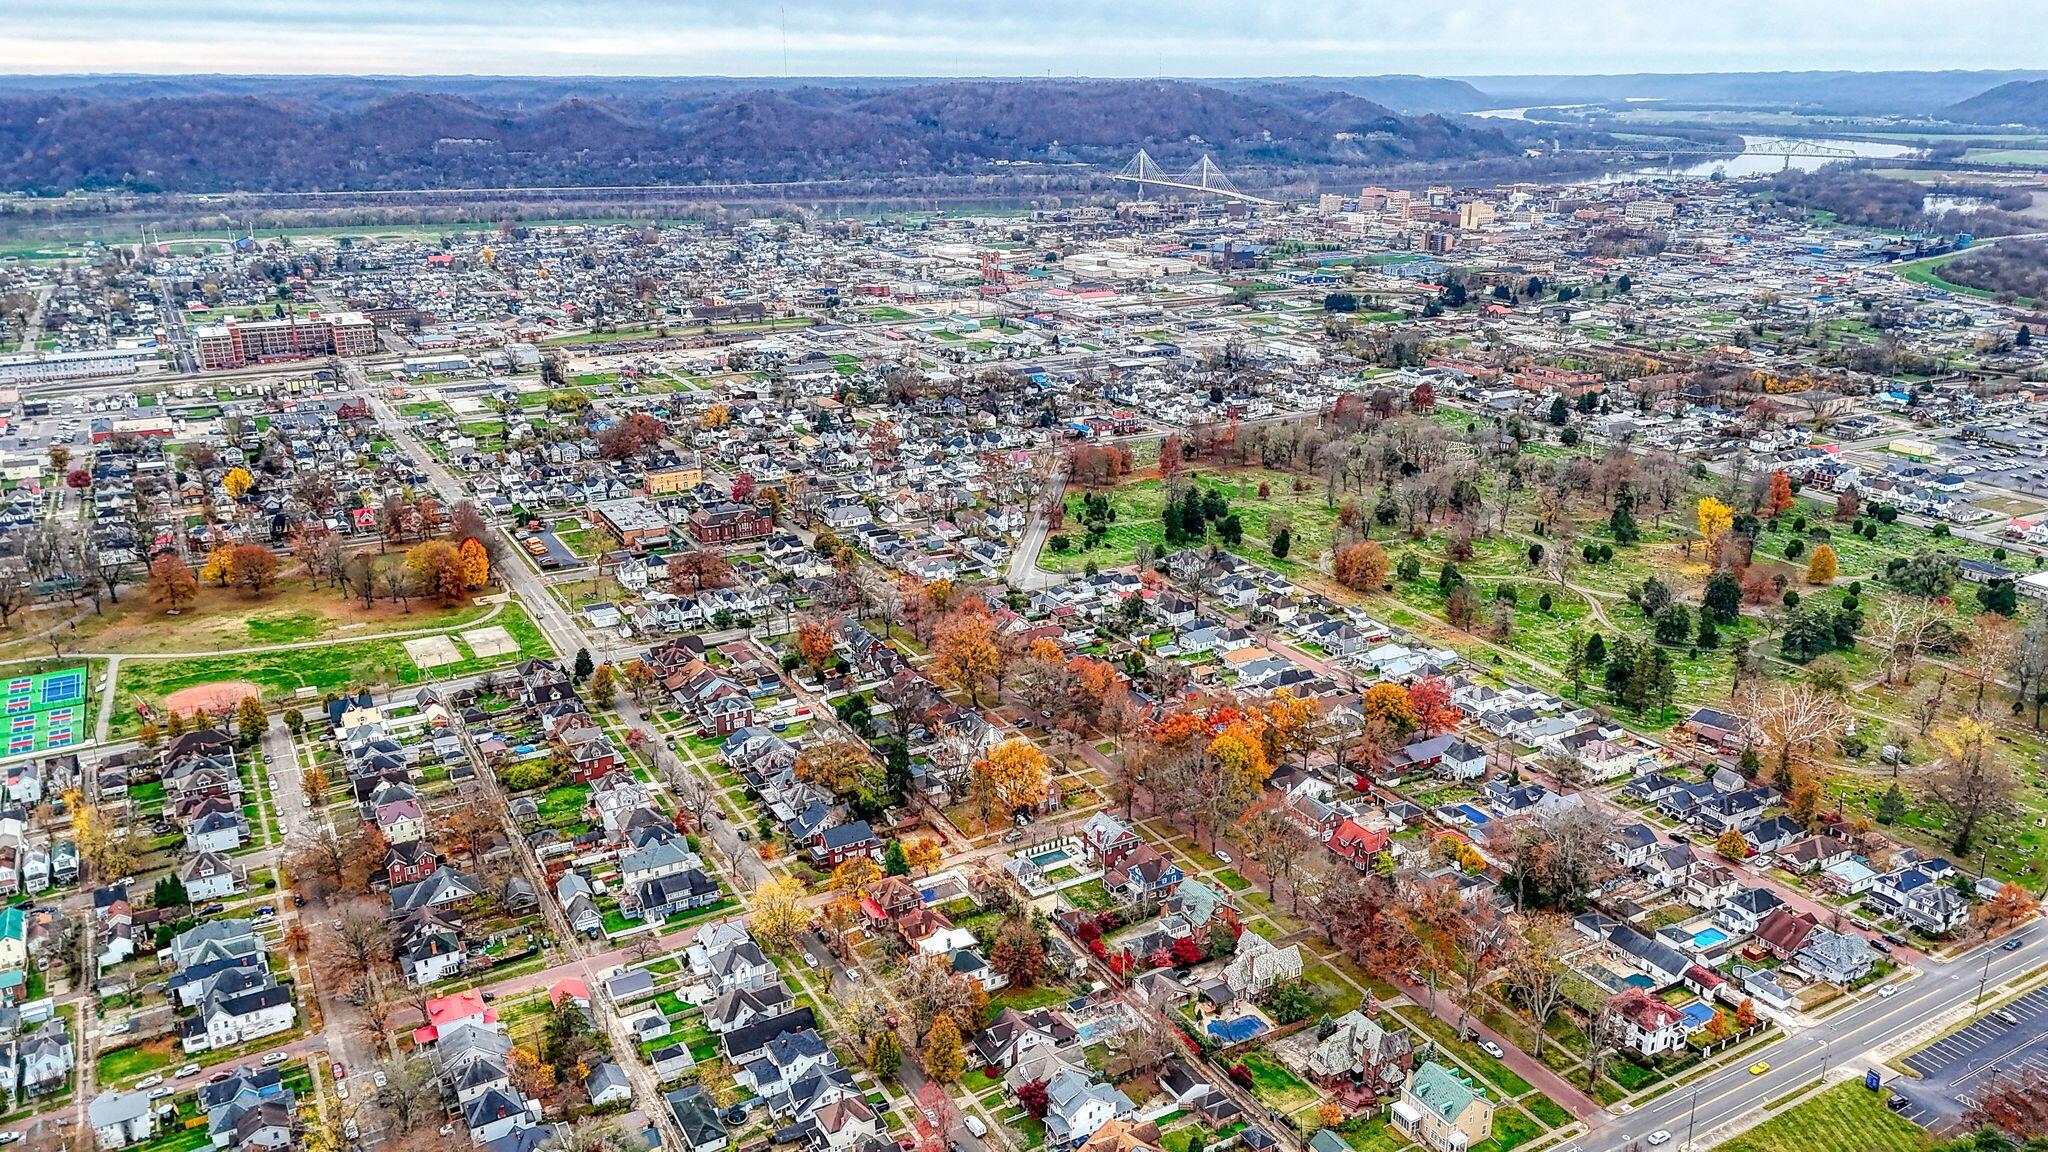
<point x="1312" y="523"/>
<point x="1845" y="1118"/>
<point x="334" y="667"/>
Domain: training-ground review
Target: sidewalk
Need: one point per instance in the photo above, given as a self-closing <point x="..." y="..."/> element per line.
<point x="1522" y="1064"/>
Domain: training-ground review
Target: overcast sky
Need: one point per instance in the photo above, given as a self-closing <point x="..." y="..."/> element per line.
<point x="1033" y="37"/>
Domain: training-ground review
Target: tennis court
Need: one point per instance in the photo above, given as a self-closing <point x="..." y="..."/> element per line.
<point x="45" y="710"/>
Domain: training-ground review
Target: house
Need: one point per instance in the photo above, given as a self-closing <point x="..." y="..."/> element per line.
<point x="741" y="966"/>
<point x="1359" y="1052"/>
<point x="697" y="1119"/>
<point x="1914" y="895"/>
<point x="1784" y="932"/>
<point x="840" y="842"/>
<point x="430" y="949"/>
<point x="1015" y="1036"/>
<point x="846" y="1122"/>
<point x="1077" y="1105"/>
<point x="1258" y="965"/>
<point x="1641" y="1023"/>
<point x="1740" y="914"/>
<point x="119" y="1119"/>
<point x="1354" y="842"/>
<point x="208" y="876"/>
<point x="1142" y="874"/>
<point x="1439" y="1109"/>
<point x="495" y="1113"/>
<point x="227" y="1020"/>
<point x="607" y="1084"/>
<point x="1836" y="957"/>
<point x="454" y="1012"/>
<point x="740" y="1007"/>
<point x="46" y="1057"/>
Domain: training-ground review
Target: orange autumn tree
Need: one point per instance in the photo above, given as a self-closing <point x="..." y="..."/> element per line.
<point x="1361" y="567"/>
<point x="814" y="643"/>
<point x="964" y="648"/>
<point x="1780" y="498"/>
<point x="476" y="562"/>
<point x="1013" y="776"/>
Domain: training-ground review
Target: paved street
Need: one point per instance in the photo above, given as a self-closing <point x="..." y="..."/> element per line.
<point x="1839" y="1042"/>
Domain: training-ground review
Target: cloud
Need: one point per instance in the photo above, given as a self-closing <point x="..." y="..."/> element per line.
<point x="985" y="37"/>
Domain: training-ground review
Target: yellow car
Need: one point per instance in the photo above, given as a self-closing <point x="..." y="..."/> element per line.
<point x="1760" y="1067"/>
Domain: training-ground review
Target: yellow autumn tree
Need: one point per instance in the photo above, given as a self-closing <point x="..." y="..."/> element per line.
<point x="944" y="1058"/>
<point x="1241" y="749"/>
<point x="237" y="482"/>
<point x="476" y="562"/>
<point x="219" y="567"/>
<point x="855" y="875"/>
<point x="716" y="416"/>
<point x="1820" y="568"/>
<point x="1715" y="518"/>
<point x="779" y="913"/>
<point x="1013" y="775"/>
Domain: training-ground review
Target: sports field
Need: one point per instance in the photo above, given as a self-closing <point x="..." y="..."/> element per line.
<point x="45" y="710"/>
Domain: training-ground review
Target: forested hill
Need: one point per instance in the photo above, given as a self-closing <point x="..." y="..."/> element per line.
<point x="327" y="135"/>
<point x="2020" y="102"/>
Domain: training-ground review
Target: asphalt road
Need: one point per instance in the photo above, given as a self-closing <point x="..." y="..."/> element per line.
<point x="1840" y="1041"/>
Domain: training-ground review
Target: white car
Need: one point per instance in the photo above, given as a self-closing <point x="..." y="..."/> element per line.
<point x="1224" y="856"/>
<point x="1660" y="1136"/>
<point x="1888" y="991"/>
<point x="274" y="1058"/>
<point x="341" y="1089"/>
<point x="186" y="1070"/>
<point x="378" y="1078"/>
<point x="1491" y="1049"/>
<point x="159" y="1093"/>
<point x="149" y="1082"/>
<point x="349" y="1128"/>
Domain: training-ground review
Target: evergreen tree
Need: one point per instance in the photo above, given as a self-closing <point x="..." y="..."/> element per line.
<point x="1282" y="541"/>
<point x="1448" y="578"/>
<point x="1596" y="650"/>
<point x="1622" y="523"/>
<point x="584" y="665"/>
<point x="1232" y="530"/>
<point x="894" y="861"/>
<point x="1891" y="807"/>
<point x="1709" y="633"/>
<point x="1560" y="412"/>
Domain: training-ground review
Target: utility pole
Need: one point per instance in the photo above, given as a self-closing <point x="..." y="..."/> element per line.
<point x="1692" y="1113"/>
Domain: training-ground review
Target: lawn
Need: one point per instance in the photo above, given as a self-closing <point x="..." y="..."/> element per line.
<point x="1845" y="1118"/>
<point x="1138" y="505"/>
<point x="136" y="1060"/>
<point x="1275" y="1086"/>
<point x="1512" y="1129"/>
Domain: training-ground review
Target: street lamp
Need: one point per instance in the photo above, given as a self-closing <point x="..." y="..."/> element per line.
<point x="1824" y="1052"/>
<point x="1692" y="1113"/>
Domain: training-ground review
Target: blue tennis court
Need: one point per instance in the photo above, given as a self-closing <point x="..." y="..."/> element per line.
<point x="45" y="711"/>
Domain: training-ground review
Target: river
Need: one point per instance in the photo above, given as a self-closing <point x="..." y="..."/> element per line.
<point x="1756" y="158"/>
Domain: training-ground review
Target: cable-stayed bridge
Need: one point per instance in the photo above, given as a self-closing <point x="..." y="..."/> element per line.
<point x="1205" y="176"/>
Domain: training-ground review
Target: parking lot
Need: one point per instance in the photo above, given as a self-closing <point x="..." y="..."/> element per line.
<point x="1954" y="1068"/>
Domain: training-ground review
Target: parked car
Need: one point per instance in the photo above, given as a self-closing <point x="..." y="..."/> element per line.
<point x="1660" y="1136"/>
<point x="1491" y="1049"/>
<point x="186" y="1070"/>
<point x="275" y="1057"/>
<point x="213" y="908"/>
<point x="149" y="1081"/>
<point x="1224" y="857"/>
<point x="379" y="1079"/>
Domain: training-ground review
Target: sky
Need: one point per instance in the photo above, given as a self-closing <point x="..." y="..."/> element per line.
<point x="1191" y="38"/>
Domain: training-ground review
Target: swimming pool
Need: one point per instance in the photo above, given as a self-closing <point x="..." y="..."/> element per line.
<point x="1473" y="814"/>
<point x="1236" y="1031"/>
<point x="1709" y="938"/>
